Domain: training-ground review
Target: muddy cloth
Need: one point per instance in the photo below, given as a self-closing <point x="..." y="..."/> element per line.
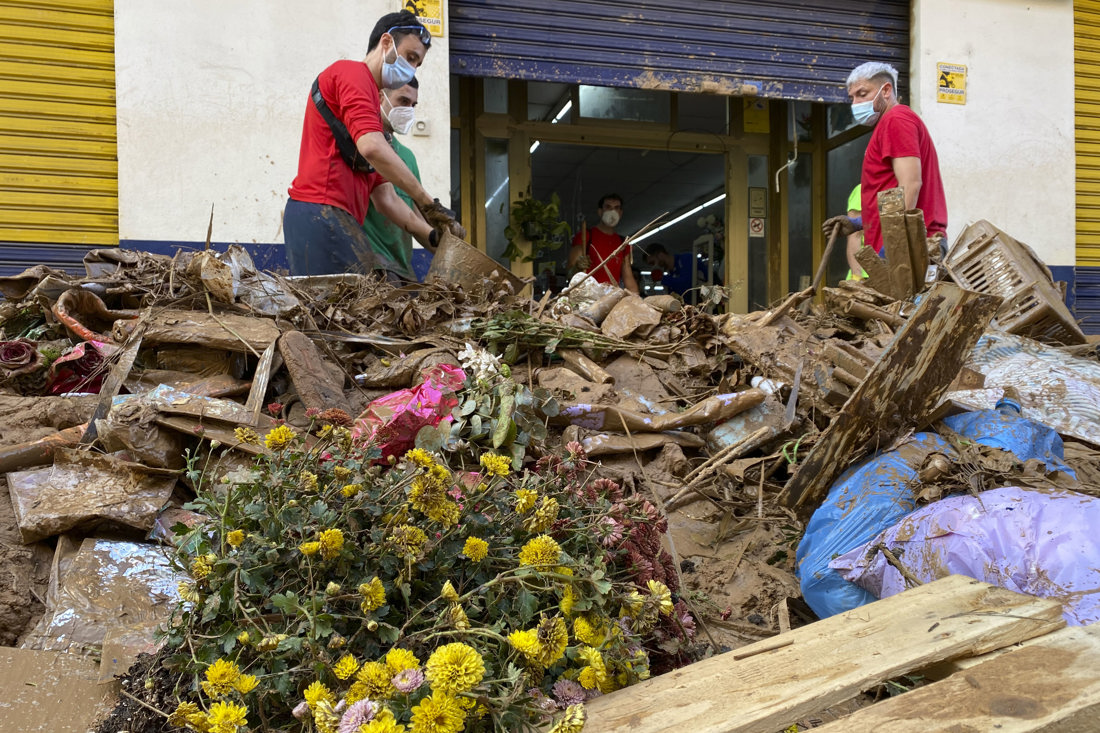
<point x="326" y="240"/>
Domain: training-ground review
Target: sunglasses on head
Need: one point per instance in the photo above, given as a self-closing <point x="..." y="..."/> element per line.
<point x="420" y="31"/>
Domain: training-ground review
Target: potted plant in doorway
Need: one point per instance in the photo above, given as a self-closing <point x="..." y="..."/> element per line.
<point x="537" y="222"/>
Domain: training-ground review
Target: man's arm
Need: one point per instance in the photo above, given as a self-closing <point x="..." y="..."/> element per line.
<point x="386" y="200"/>
<point x="908" y="172"/>
<point x="376" y="149"/>
<point x="628" y="275"/>
<point x="575" y="253"/>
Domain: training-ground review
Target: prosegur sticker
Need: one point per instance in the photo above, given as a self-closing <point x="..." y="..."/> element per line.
<point x="429" y="13"/>
<point x="951" y="83"/>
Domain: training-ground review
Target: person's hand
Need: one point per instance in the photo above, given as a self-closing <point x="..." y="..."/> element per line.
<point x="442" y="219"/>
<point x="847" y="226"/>
<point x="582" y="264"/>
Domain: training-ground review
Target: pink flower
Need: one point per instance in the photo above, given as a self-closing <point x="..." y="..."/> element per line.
<point x="312" y="412"/>
<point x="610" y="531"/>
<point x="274" y="408"/>
<point x="408" y="680"/>
<point x="568" y="692"/>
<point x="360" y="713"/>
<point x="301" y="711"/>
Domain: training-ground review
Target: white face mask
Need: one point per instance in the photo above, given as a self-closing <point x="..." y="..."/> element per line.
<point x="401" y="119"/>
<point x="610" y="217"/>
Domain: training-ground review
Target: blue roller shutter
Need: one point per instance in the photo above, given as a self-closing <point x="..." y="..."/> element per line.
<point x="802" y="49"/>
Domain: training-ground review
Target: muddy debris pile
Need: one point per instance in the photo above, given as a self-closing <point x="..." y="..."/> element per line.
<point x="750" y="433"/>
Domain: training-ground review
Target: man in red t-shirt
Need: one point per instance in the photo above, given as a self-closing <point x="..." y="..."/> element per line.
<point x="603" y="255"/>
<point x="899" y="153"/>
<point x="323" y="220"/>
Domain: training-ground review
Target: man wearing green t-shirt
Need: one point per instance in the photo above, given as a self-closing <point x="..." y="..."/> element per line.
<point x="392" y="244"/>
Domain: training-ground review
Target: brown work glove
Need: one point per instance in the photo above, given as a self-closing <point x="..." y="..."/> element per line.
<point x="442" y="219"/>
<point x="582" y="264"/>
<point x="847" y="226"/>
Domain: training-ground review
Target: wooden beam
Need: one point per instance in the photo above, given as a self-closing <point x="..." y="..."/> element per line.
<point x="1051" y="684"/>
<point x="764" y="688"/>
<point x="903" y="387"/>
<point x="737" y="229"/>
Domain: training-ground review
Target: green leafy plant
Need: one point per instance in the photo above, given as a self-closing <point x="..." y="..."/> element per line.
<point x="537" y="222"/>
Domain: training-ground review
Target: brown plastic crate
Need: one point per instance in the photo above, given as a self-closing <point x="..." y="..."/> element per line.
<point x="987" y="260"/>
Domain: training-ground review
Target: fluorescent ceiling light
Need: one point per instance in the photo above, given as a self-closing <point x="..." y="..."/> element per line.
<point x="680" y="218"/>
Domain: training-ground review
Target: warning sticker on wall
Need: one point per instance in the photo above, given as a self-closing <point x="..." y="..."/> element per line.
<point x="952" y="83"/>
<point x="428" y="12"/>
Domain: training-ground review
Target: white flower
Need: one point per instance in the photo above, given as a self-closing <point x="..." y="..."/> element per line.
<point x="479" y="362"/>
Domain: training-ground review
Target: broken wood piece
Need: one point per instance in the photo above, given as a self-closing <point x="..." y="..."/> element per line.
<point x="784" y="308"/>
<point x="1050" y="683"/>
<point x="895" y="243"/>
<point x="843" y="302"/>
<point x="260" y="381"/>
<point x="878" y="274"/>
<point x="612" y="417"/>
<point x="585" y="367"/>
<point x="113" y="383"/>
<point x="918" y="246"/>
<point x="826" y="662"/>
<point x="903" y="387"/>
<point x="38" y="452"/>
<point x="604" y="444"/>
<point x="308" y="371"/>
<point x="223" y="332"/>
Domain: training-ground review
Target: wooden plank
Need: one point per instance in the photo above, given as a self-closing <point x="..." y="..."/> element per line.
<point x="903" y="387"/>
<point x="918" y="246"/>
<point x="878" y="274"/>
<point x="763" y="687"/>
<point x="316" y="385"/>
<point x="1051" y="684"/>
<point x="895" y="243"/>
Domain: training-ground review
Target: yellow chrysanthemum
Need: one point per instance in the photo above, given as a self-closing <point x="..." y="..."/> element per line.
<point x="280" y="437"/>
<point x="341" y="473"/>
<point x="351" y="490"/>
<point x="496" y="465"/>
<point x="200" y="568"/>
<point x="398" y="660"/>
<point x="526" y="642"/>
<point x="376" y="679"/>
<point x="660" y="592"/>
<point x="332" y="541"/>
<point x="445" y="512"/>
<point x="454" y="668"/>
<point x="244" y="637"/>
<point x="220" y="677"/>
<point x="307" y="481"/>
<point x="409" y="539"/>
<point x="227" y="717"/>
<point x="457" y="618"/>
<point x="448" y="593"/>
<point x="544" y="516"/>
<point x="553" y="637"/>
<point x="188" y="592"/>
<point x="345" y="667"/>
<point x="438" y="713"/>
<point x="572" y="722"/>
<point x="180" y="716"/>
<point x="568" y="600"/>
<point x="246" y="435"/>
<point x="427" y="493"/>
<point x="632" y="604"/>
<point x="420" y="457"/>
<point x="309" y="548"/>
<point x="383" y="722"/>
<point x="246" y="683"/>
<point x="475" y="548"/>
<point x="589" y="633"/>
<point x="235" y="538"/>
<point x="542" y="551"/>
<point x="355" y="693"/>
<point x="316" y="693"/>
<point x="594" y="675"/>
<point x="374" y="595"/>
<point x="525" y="500"/>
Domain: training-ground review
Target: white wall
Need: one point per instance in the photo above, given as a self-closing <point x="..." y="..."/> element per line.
<point x="1008" y="154"/>
<point x="211" y="97"/>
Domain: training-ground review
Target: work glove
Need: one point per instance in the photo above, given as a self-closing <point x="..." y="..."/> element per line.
<point x="847" y="226"/>
<point x="582" y="264"/>
<point x="442" y="219"/>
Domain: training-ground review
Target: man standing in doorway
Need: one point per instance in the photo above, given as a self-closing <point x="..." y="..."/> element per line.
<point x="345" y="157"/>
<point x="604" y="255"/>
<point x="900" y="153"/>
<point x="389" y="241"/>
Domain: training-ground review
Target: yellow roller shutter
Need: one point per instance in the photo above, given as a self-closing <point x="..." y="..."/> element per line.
<point x="1086" y="34"/>
<point x="58" y="147"/>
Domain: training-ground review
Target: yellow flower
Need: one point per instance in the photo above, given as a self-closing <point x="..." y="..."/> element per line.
<point x="525" y="500"/>
<point x="200" y="568"/>
<point x="317" y="693"/>
<point x="340" y="473"/>
<point x="542" y="551"/>
<point x="572" y="722"/>
<point x="179" y="717"/>
<point x="593" y="676"/>
<point x="398" y="660"/>
<point x="526" y="642"/>
<point x="374" y="595"/>
<point x="457" y="617"/>
<point x="383" y="722"/>
<point x="346" y="667"/>
<point x="660" y="592"/>
<point x="280" y="437"/>
<point x="307" y="481"/>
<point x="568" y="599"/>
<point x="376" y="680"/>
<point x="454" y="668"/>
<point x="553" y="638"/>
<point x="496" y="465"/>
<point x="420" y="457"/>
<point x="246" y="683"/>
<point x="270" y="643"/>
<point x="188" y="592"/>
<point x="235" y="538"/>
<point x="632" y="604"/>
<point x="246" y="435"/>
<point x="475" y="548"/>
<point x="227" y="717"/>
<point x="309" y="548"/>
<point x="409" y="539"/>
<point x="220" y="677"/>
<point x="351" y="490"/>
<point x="545" y="516"/>
<point x="589" y="633"/>
<point x="449" y="593"/>
<point x="244" y="637"/>
<point x="332" y="541"/>
<point x="445" y="512"/>
<point x="439" y="713"/>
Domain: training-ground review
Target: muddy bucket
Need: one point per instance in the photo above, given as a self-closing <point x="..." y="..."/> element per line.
<point x="458" y="262"/>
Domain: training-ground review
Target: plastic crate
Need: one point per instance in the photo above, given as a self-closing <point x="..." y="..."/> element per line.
<point x="987" y="260"/>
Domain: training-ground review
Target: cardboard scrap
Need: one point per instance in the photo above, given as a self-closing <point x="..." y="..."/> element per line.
<point x="52" y="692"/>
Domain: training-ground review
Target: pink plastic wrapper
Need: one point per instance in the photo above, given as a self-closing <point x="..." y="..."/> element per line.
<point x="82" y="369"/>
<point x="1041" y="543"/>
<point x="392" y="422"/>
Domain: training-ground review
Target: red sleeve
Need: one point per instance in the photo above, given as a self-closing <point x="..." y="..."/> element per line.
<point x="902" y="138"/>
<point x="577" y="242"/>
<point x="355" y="100"/>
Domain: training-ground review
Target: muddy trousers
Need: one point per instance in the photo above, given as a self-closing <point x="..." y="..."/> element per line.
<point x="324" y="240"/>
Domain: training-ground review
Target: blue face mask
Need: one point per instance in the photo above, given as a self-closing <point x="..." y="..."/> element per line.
<point x="397" y="73"/>
<point x="864" y="112"/>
